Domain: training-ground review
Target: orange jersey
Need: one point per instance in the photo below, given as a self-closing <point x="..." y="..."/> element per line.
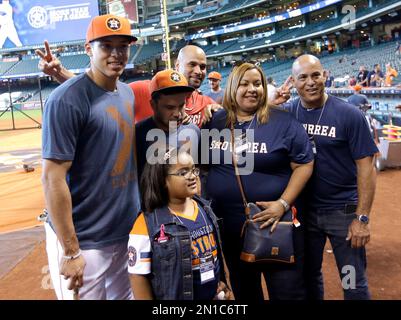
<point x="389" y="74"/>
<point x="143" y="108"/>
<point x="195" y="105"/>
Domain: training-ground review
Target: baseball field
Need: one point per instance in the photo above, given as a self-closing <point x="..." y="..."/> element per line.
<point x="23" y="262"/>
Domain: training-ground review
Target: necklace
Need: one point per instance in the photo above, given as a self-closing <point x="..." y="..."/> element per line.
<point x="320" y="116"/>
<point x="174" y="213"/>
<point x="242" y="122"/>
<point x="208" y="252"/>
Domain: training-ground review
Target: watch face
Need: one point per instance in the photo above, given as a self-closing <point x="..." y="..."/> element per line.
<point x="363" y="219"/>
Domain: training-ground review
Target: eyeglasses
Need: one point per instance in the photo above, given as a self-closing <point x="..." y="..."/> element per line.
<point x="186" y="173"/>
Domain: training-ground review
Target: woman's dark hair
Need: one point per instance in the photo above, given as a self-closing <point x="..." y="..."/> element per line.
<point x="153" y="181"/>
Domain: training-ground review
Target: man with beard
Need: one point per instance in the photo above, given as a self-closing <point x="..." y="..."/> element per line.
<point x="340" y="193"/>
<point x="169" y="90"/>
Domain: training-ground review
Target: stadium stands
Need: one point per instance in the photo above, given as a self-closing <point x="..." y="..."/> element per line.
<point x="149" y="51"/>
<point x="23" y="67"/>
<point x="381" y="54"/>
<point x="5" y="66"/>
<point x="76" y="61"/>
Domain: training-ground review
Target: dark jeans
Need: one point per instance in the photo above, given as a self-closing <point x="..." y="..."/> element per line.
<point x="284" y="282"/>
<point x="351" y="263"/>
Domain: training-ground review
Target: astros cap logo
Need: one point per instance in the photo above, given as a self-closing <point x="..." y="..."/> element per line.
<point x="108" y="25"/>
<point x="113" y="24"/>
<point x="175" y="77"/>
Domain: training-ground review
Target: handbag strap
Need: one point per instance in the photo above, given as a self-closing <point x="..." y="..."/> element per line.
<point x="241" y="188"/>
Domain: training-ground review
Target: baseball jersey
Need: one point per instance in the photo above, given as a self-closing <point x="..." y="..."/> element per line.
<point x="146" y="131"/>
<point x="204" y="242"/>
<point x="341" y="136"/>
<point x="93" y="128"/>
<point x="143" y="108"/>
<point x="275" y="145"/>
<point x="195" y="105"/>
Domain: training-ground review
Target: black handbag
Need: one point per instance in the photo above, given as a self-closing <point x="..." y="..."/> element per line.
<point x="262" y="245"/>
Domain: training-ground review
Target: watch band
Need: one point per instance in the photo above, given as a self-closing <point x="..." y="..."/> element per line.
<point x="363" y="218"/>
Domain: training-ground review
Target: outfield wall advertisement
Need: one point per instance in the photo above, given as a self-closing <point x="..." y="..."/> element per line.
<point x="29" y="22"/>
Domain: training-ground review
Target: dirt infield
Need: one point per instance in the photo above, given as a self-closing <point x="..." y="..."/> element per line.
<point x="21" y="201"/>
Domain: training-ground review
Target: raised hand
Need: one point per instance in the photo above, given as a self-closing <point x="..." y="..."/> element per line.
<point x="283" y="93"/>
<point x="48" y="63"/>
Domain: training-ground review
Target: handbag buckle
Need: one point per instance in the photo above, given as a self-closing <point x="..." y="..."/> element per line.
<point x="274" y="251"/>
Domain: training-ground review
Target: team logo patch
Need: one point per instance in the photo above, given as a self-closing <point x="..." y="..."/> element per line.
<point x="175" y="77"/>
<point x="113" y="24"/>
<point x="131" y="256"/>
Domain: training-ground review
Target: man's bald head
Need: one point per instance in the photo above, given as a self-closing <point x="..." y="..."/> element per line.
<point x="191" y="62"/>
<point x="304" y="61"/>
<point x="309" y="79"/>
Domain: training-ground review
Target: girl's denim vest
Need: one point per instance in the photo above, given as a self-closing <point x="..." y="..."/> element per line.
<point x="171" y="270"/>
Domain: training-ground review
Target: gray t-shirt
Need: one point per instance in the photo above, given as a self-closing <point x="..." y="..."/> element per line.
<point x="216" y="96"/>
<point x="94" y="129"/>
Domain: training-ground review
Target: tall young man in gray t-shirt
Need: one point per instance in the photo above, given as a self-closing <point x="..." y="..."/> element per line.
<point x="89" y="172"/>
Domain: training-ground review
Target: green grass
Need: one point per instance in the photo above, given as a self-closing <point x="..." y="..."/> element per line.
<point x="35" y="114"/>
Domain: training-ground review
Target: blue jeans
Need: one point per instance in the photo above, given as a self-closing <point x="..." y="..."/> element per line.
<point x="351" y="263"/>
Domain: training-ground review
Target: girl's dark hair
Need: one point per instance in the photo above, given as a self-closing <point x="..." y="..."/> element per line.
<point x="153" y="181"/>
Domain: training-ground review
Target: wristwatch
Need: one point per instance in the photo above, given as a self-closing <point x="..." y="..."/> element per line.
<point x="285" y="204"/>
<point x="363" y="218"/>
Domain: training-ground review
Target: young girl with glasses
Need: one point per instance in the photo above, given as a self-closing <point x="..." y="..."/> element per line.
<point x="174" y="247"/>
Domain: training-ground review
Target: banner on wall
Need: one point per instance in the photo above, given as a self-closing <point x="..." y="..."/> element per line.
<point x="29" y="22"/>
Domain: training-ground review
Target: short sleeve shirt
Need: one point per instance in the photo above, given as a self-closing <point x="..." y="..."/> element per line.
<point x="203" y="243"/>
<point x="275" y="145"/>
<point x="143" y="108"/>
<point x="147" y="133"/>
<point x="341" y="136"/>
<point x="195" y="105"/>
<point x="93" y="128"/>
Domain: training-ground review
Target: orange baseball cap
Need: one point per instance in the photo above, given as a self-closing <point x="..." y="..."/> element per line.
<point x="108" y="25"/>
<point x="358" y="87"/>
<point x="214" y="75"/>
<point x="169" y="81"/>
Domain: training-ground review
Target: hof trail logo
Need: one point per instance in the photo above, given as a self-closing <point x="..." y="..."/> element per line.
<point x="113" y="24"/>
<point x="131" y="256"/>
<point x="37" y="17"/>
